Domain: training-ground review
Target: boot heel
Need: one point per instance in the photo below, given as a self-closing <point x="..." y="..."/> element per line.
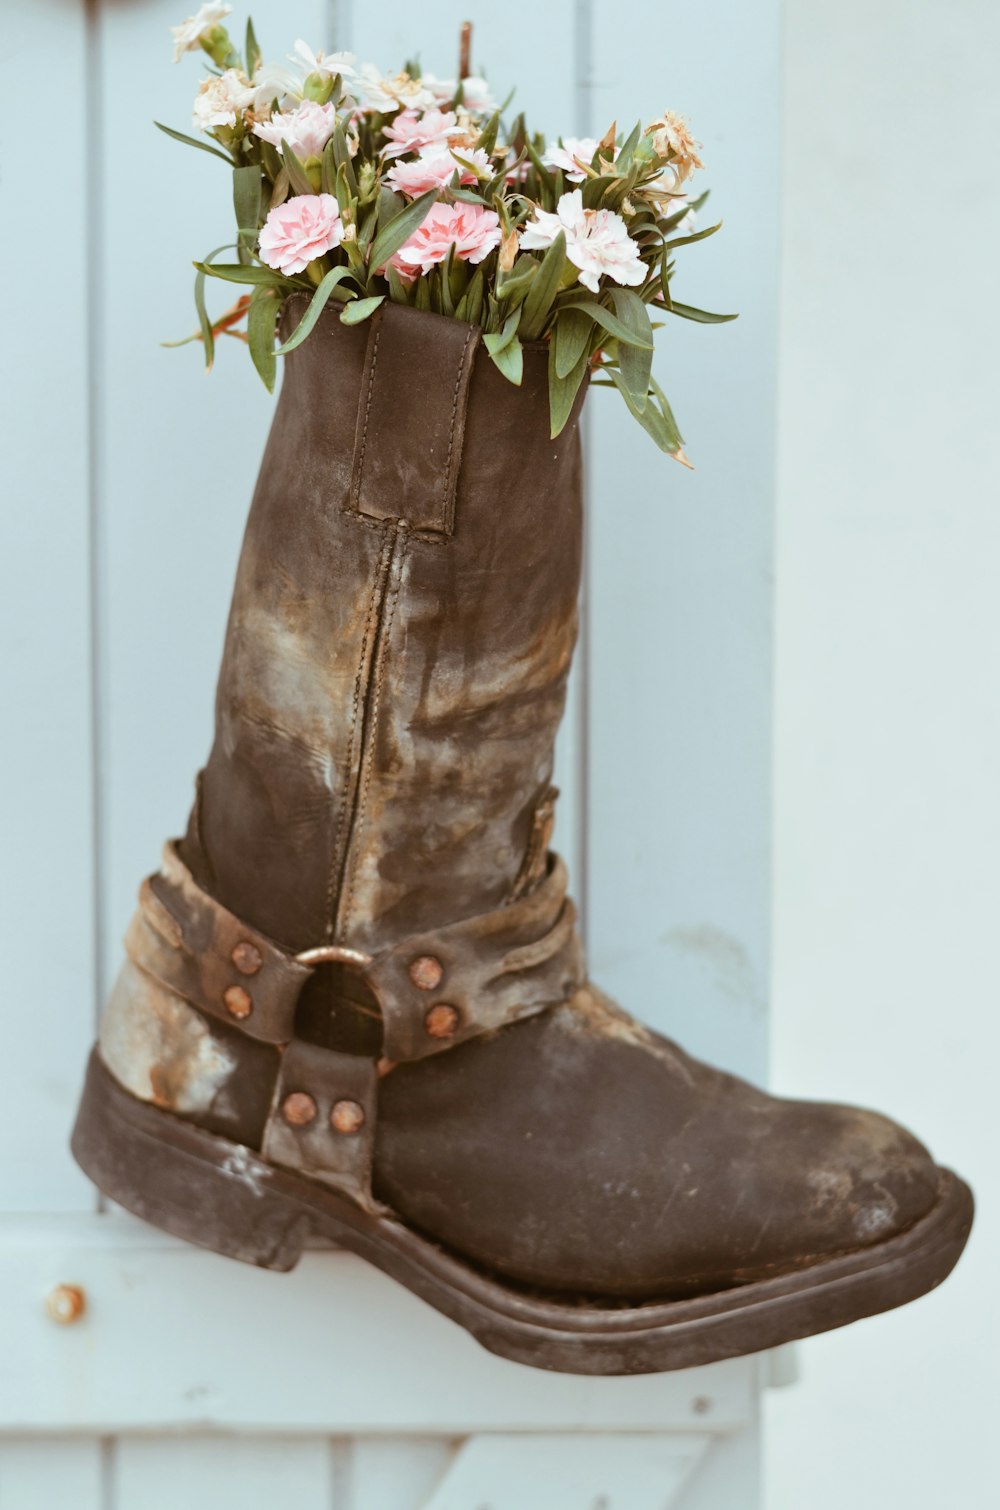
<point x="185" y="1181"/>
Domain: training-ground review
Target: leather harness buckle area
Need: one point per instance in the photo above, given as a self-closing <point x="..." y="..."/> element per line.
<point x="333" y="954"/>
<point x="434" y="989"/>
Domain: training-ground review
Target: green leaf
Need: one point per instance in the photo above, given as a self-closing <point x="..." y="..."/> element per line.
<point x="252" y="53"/>
<point x="328" y="169"/>
<point x="570" y="339"/>
<point x="701" y="316"/>
<point x="695" y="236"/>
<point x="237" y="272"/>
<point x="298" y="177"/>
<point x="499" y="340"/>
<point x="623" y="161"/>
<point x="207" y="336"/>
<point x="544" y="173"/>
<point x="262" y="316"/>
<point x="399" y="292"/>
<point x="246" y="203"/>
<point x="563" y="391"/>
<point x="650" y="418"/>
<point x="316" y="306"/>
<point x="515" y="286"/>
<point x="613" y="326"/>
<point x="508" y="357"/>
<point x="635" y="362"/>
<point x="668" y="414"/>
<point x="353" y="314"/>
<point x="543" y="290"/>
<point x="470" y="306"/>
<point x="488" y="136"/>
<point x="342" y="156"/>
<point x="399" y="229"/>
<point x="191" y="141"/>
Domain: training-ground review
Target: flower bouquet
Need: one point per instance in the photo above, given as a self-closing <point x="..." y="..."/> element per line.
<point x="360" y="188"/>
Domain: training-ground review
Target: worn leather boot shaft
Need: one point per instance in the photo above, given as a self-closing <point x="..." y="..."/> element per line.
<point x="379" y="794"/>
<point x="399" y="642"/>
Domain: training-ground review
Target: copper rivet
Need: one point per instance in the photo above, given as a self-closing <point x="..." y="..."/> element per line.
<point x="426" y="972"/>
<point x="347" y="1117"/>
<point x="238" y="1002"/>
<point x="441" y="1021"/>
<point x="65" y="1304"/>
<point x="247" y="957"/>
<point x="298" y="1109"/>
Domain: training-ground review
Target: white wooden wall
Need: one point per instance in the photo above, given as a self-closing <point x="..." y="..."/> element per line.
<point x="191" y="1381"/>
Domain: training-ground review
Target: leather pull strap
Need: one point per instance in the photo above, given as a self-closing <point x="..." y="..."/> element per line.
<point x="411" y="418"/>
<point x="322" y="1120"/>
<point x="192" y="945"/>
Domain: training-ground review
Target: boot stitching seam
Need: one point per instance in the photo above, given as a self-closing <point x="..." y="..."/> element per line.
<point x="367" y="757"/>
<point x="363" y="445"/>
<point x="339" y="848"/>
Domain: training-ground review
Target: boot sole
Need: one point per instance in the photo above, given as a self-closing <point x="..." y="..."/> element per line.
<point x="223" y="1196"/>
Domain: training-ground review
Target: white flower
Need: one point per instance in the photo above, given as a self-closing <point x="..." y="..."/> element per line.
<point x="221" y="99"/>
<point x="476" y="95"/>
<point x="389" y="94"/>
<point x="187" y="37"/>
<point x="272" y="82"/>
<point x="574" y="150"/>
<point x="597" y="241"/>
<point x="306" y="129"/>
<point x="326" y="64"/>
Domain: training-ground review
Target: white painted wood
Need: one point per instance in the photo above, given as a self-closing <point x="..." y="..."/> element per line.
<point x="46" y="908"/>
<point x="680" y="701"/>
<point x="216" y="1473"/>
<point x="55" y="1474"/>
<point x="334" y="1346"/>
<point x="393" y="1473"/>
<point x="178" y="450"/>
<point x="599" y="1472"/>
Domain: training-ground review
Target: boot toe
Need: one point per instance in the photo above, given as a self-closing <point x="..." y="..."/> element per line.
<point x="865" y="1177"/>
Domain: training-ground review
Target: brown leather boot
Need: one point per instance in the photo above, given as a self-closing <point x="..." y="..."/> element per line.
<point x="355" y="1005"/>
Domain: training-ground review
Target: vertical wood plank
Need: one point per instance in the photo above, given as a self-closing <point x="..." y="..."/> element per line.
<point x="392" y="1473"/>
<point x="206" y="1473"/>
<point x="179" y="449"/>
<point x="45" y="682"/>
<point x="39" y="1473"/>
<point x="680" y="581"/>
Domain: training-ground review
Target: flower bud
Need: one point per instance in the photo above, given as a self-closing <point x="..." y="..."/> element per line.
<point x="218" y="44"/>
<point x="318" y="87"/>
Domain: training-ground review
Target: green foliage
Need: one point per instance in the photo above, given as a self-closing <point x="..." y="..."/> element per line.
<point x="501" y="176"/>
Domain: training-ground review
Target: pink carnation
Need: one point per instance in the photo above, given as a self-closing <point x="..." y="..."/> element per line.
<point x="300" y="230"/>
<point x="473" y="231"/>
<point x="414" y="131"/>
<point x="307" y="129"/>
<point x="432" y="170"/>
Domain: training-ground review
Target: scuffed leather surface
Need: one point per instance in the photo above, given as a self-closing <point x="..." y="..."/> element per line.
<point x="186" y="941"/>
<point x="386" y="715"/>
<point x="496" y="969"/>
<point x="580" y="1151"/>
<point x="312" y="825"/>
<point x="342" y="1160"/>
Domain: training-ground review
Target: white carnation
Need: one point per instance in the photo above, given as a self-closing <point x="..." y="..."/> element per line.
<point x="187" y="37"/>
<point x="221" y="99"/>
<point x="597" y="241"/>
